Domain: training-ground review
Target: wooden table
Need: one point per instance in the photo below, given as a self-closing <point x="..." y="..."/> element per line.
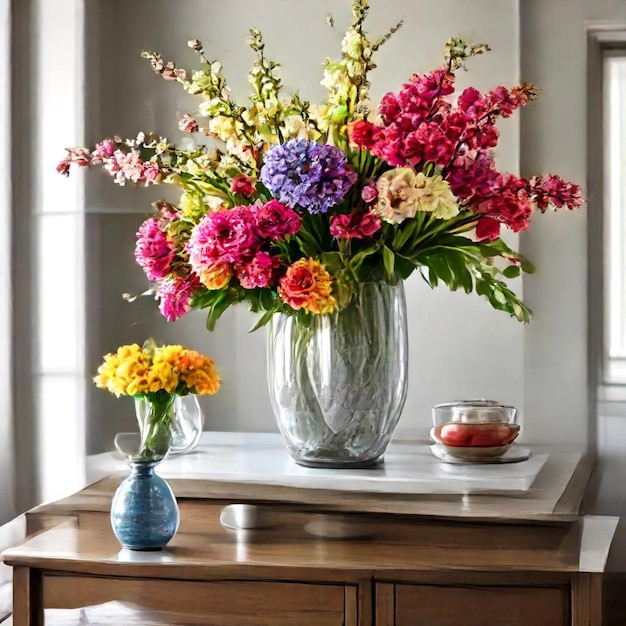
<point x="322" y="560"/>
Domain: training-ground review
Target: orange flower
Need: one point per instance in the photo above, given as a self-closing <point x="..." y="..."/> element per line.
<point x="217" y="275"/>
<point x="307" y="285"/>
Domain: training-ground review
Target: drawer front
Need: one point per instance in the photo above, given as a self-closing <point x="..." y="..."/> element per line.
<point x="219" y="603"/>
<point x="417" y="605"/>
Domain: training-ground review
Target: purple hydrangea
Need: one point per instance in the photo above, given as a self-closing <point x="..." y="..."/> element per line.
<point x="312" y="176"/>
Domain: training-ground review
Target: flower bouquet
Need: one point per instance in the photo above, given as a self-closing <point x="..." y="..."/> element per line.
<point x="318" y="212"/>
<point x="155" y="376"/>
<point x="288" y="205"/>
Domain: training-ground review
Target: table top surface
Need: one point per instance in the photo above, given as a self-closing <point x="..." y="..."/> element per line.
<point x="252" y="467"/>
<point x="293" y="545"/>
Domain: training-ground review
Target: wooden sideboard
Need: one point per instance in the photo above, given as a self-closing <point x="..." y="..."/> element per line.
<point x="322" y="558"/>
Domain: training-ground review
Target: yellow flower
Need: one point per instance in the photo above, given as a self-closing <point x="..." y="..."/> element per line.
<point x="162" y="376"/>
<point x="223" y="128"/>
<point x="402" y="192"/>
<point x="434" y="195"/>
<point x="134" y="371"/>
<point x="191" y="206"/>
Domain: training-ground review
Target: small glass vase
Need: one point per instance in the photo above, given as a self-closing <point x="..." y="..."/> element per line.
<point x="338" y="385"/>
<point x="186" y="424"/>
<point x="144" y="511"/>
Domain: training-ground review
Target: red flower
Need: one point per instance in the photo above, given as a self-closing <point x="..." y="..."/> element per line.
<point x="242" y="184"/>
<point x="487" y="229"/>
<point x="361" y="133"/>
<point x="358" y="226"/>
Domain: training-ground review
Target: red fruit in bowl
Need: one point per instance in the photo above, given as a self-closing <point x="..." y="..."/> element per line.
<point x="479" y="435"/>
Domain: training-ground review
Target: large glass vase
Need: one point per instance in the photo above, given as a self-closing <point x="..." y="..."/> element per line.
<point x="338" y="384"/>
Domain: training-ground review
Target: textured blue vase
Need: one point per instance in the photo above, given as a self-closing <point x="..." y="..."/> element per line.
<point x="144" y="512"/>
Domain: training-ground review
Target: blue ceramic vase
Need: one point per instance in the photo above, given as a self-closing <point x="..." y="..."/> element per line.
<point x="144" y="512"/>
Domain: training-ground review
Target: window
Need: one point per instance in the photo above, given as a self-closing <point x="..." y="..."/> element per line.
<point x="615" y="216"/>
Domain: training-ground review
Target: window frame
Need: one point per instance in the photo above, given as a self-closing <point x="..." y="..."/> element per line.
<point x="607" y="392"/>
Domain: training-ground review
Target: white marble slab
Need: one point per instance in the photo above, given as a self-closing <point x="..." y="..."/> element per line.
<point x="408" y="468"/>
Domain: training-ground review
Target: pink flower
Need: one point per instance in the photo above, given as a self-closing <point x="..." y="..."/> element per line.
<point x="228" y="235"/>
<point x="358" y="225"/>
<point x="369" y="193"/>
<point x="552" y="190"/>
<point x="260" y="272"/>
<point x="151" y="173"/>
<point x="509" y="203"/>
<point x="104" y="150"/>
<point x="187" y="124"/>
<point x="487" y="229"/>
<point x="154" y="252"/>
<point x="125" y="166"/>
<point x="174" y="295"/>
<point x="80" y="157"/>
<point x="242" y="184"/>
<point x="275" y="220"/>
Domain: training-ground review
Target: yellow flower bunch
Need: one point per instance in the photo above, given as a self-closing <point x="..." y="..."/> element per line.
<point x="137" y="371"/>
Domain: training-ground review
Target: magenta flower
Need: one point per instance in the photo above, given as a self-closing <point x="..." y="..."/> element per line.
<point x="154" y="252"/>
<point x="275" y="220"/>
<point x="260" y="272"/>
<point x="230" y="236"/>
<point x="174" y="296"/>
<point x="358" y="226"/>
<point x="472" y="175"/>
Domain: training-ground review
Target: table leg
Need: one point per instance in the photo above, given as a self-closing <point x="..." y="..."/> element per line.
<point x="27" y="597"/>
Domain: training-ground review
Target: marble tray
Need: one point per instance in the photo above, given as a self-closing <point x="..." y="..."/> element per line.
<point x="409" y="468"/>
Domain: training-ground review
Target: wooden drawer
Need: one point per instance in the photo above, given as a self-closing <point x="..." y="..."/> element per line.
<point x="425" y="605"/>
<point x="219" y="603"/>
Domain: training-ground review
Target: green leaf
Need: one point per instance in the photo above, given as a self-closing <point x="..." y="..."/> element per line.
<point x="389" y="262"/>
<point x="527" y="266"/>
<point x="499" y="296"/>
<point x="432" y="277"/>
<point x="512" y="271"/>
<point x="403" y="267"/>
<point x="218" y="306"/>
<point x="462" y="275"/>
<point x="332" y="261"/>
<point x="264" y="319"/>
<point x="266" y="299"/>
<point x="438" y="263"/>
